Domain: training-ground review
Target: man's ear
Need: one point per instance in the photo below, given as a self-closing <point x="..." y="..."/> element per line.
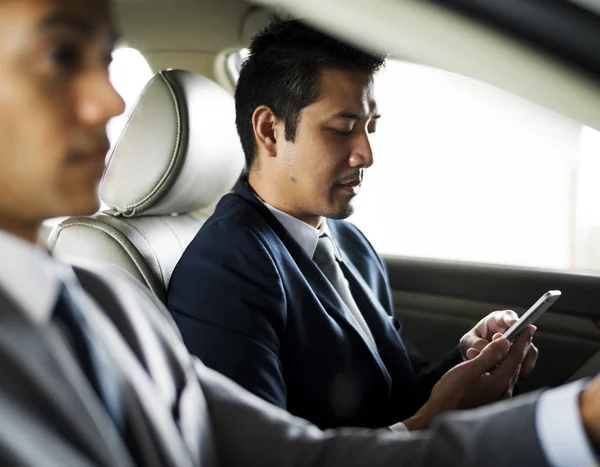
<point x="264" y="122"/>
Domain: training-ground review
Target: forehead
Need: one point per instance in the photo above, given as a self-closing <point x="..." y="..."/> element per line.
<point x="347" y="90"/>
<point x="91" y="17"/>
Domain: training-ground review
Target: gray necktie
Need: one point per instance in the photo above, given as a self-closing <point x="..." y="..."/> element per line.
<point x="325" y="258"/>
<point x="90" y="353"/>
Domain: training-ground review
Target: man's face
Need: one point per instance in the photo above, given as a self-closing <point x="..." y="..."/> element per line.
<point x="55" y="102"/>
<point x="324" y="167"/>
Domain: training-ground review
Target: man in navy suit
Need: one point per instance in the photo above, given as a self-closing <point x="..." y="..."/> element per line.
<point x="279" y="293"/>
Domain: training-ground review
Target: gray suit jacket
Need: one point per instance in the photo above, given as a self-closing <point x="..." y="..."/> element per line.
<point x="183" y="414"/>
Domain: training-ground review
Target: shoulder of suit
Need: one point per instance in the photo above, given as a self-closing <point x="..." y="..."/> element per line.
<point x="234" y="210"/>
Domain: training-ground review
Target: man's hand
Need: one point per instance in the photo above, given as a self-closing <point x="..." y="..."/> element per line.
<point x="484" y="332"/>
<point x="487" y="377"/>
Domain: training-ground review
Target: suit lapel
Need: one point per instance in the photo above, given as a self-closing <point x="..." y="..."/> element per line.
<point x="150" y="417"/>
<point x="155" y="386"/>
<point x="320" y="285"/>
<point x="58" y="382"/>
<point x="372" y="310"/>
<point x="391" y="348"/>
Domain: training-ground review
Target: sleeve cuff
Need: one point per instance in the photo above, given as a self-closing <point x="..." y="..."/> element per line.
<point x="399" y="428"/>
<point x="560" y="429"/>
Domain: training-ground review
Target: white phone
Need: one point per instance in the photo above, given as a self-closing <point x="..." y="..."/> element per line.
<point x="531" y="315"/>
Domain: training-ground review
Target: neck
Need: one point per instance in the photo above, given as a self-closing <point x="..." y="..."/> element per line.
<point x="270" y="194"/>
<point x="27" y="231"/>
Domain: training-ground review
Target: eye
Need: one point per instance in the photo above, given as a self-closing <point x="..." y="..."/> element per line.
<point x="342" y="133"/>
<point x="108" y="59"/>
<point x="67" y="56"/>
<point x="107" y="56"/>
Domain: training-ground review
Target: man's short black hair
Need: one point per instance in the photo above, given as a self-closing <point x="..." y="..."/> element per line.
<point x="282" y="72"/>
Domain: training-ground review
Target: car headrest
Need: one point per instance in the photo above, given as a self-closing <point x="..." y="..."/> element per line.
<point x="179" y="151"/>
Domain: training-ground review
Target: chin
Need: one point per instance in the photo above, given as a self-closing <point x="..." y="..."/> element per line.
<point x="341" y="212"/>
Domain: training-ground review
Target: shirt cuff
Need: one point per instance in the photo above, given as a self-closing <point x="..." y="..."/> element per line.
<point x="399" y="427"/>
<point x="560" y="429"/>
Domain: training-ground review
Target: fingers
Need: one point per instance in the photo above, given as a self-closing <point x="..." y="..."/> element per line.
<point x="514" y="379"/>
<point x="513" y="382"/>
<point x="529" y="362"/>
<point x="498" y="321"/>
<point x="478" y="344"/>
<point x="501" y="321"/>
<point x="503" y="374"/>
<point x="487" y="359"/>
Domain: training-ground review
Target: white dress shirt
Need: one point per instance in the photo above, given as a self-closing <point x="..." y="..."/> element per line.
<point x="305" y="234"/>
<point x="30" y="276"/>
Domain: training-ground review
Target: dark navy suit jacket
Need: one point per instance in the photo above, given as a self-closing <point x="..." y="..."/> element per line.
<point x="253" y="306"/>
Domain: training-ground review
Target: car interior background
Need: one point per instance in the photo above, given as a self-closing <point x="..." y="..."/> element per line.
<point x="483" y="194"/>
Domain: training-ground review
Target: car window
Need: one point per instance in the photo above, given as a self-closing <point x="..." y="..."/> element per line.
<point x="466" y="171"/>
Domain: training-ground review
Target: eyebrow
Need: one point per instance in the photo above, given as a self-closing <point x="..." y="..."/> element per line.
<point x="352" y="116"/>
<point x="75" y="24"/>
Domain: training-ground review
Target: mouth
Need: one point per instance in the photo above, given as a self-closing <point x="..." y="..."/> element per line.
<point x="95" y="159"/>
<point x="351" y="186"/>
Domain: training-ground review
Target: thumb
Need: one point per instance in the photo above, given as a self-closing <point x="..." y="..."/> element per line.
<point x="489" y="358"/>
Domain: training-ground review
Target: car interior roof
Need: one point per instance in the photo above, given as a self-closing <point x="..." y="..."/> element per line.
<point x="183" y="25"/>
<point x="191" y="34"/>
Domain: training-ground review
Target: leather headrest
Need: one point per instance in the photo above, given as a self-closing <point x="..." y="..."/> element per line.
<point x="179" y="151"/>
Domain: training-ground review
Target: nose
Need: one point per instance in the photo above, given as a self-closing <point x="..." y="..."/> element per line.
<point x="98" y="101"/>
<point x="362" y="154"/>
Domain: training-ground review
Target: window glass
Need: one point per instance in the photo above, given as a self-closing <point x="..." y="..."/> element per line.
<point x="465" y="171"/>
<point x="586" y="217"/>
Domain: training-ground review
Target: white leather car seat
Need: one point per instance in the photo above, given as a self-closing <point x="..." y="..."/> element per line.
<point x="178" y="154"/>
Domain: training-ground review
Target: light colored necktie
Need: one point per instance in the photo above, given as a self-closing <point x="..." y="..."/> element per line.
<point x="325" y="258"/>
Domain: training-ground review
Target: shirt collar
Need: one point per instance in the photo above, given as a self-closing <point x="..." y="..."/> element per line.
<point x="304" y="234"/>
<point x="30" y="276"/>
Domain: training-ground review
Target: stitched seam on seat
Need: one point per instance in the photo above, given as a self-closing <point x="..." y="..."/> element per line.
<point x="120" y="225"/>
<point x="167" y="174"/>
<point x="171" y="268"/>
<point x="114" y="233"/>
<point x="171" y="163"/>
<point x="173" y="231"/>
<point x="132" y="251"/>
<point x="160" y="184"/>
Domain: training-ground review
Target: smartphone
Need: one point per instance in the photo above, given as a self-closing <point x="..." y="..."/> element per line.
<point x="531" y="315"/>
